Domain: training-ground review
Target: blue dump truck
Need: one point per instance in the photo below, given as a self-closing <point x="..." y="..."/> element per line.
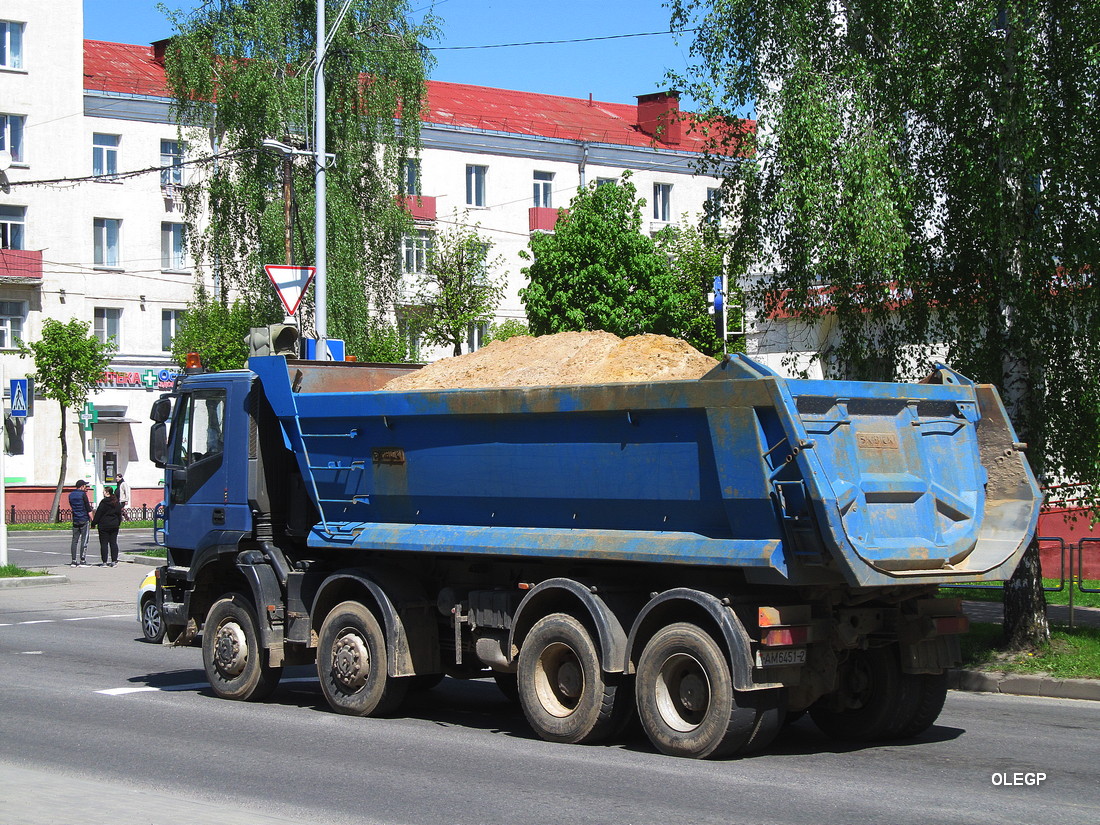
<point x="710" y="555"/>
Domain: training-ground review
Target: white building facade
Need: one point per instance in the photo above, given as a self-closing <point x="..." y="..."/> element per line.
<point x="91" y="226"/>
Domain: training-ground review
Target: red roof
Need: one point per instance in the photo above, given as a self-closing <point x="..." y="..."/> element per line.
<point x="121" y="68"/>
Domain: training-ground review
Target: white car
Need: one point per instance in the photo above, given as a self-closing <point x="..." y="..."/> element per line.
<point x="152" y="623"/>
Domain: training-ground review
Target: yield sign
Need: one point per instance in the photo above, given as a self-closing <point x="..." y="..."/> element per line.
<point x="291" y="283"/>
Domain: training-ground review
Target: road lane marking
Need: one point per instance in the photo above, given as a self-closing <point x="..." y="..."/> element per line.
<point x="76" y="619"/>
<point x="126" y="691"/>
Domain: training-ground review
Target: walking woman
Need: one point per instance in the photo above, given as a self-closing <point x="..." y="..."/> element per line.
<point x="107" y="518"/>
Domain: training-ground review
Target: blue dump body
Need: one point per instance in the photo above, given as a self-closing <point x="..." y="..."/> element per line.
<point x="790" y="481"/>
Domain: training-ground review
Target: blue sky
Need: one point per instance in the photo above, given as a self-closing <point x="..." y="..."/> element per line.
<point x="611" y="70"/>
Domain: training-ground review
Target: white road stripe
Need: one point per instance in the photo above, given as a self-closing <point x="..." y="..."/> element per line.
<point x="124" y="691"/>
<point x="74" y="619"/>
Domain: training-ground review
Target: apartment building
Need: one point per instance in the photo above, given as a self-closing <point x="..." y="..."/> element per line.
<point x="91" y="224"/>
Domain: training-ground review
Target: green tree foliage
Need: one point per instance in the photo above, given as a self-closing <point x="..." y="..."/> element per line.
<point x="508" y="328"/>
<point x="697" y="256"/>
<point x="598" y="270"/>
<point x="68" y="363"/>
<point x="216" y="330"/>
<point x="458" y="289"/>
<point x="241" y="71"/>
<point x="925" y="183"/>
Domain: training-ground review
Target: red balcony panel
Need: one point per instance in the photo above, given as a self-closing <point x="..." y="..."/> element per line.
<point x="543" y="218"/>
<point x="20" y="263"/>
<point x="422" y="207"/>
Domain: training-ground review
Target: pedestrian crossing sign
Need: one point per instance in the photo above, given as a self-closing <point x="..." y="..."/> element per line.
<point x="19" y="392"/>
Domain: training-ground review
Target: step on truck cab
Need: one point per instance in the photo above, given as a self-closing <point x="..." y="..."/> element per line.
<point x="710" y="555"/>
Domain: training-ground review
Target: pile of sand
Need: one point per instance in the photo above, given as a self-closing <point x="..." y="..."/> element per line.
<point x="564" y="358"/>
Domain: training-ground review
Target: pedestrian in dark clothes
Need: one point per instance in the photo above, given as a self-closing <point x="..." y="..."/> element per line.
<point x="81" y="507"/>
<point x="108" y="517"/>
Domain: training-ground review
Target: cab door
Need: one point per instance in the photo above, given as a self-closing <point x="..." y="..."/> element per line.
<point x="206" y="470"/>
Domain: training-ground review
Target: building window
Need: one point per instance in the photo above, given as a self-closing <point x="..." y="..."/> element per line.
<point x="105" y="154"/>
<point x="712" y="208"/>
<point x="172" y="240"/>
<point x="417" y="247"/>
<point x="11" y="136"/>
<point x="171" y="162"/>
<point x="475" y="185"/>
<point x="605" y="181"/>
<point x="107" y="323"/>
<point x="170" y="320"/>
<point x="476" y="335"/>
<point x="12" y="314"/>
<point x="412" y="178"/>
<point x="662" y="202"/>
<point x="11" y="45"/>
<point x="106" y="232"/>
<point x="12" y="220"/>
<point x="408" y="329"/>
<point x="544" y="185"/>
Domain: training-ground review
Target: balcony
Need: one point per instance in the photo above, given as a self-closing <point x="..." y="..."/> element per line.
<point x="542" y="218"/>
<point x="20" y="265"/>
<point x="421" y="207"/>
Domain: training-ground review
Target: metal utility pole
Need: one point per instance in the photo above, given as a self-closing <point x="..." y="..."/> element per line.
<point x="320" y="283"/>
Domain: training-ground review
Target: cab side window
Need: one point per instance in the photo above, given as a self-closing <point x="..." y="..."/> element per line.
<point x="198" y="441"/>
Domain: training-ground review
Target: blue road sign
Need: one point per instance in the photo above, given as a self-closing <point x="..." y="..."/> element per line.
<point x="19" y="391"/>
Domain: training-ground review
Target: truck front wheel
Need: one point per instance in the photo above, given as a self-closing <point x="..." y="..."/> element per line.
<point x="236" y="665"/>
<point x="352" y="664"/>
<point x="562" y="688"/>
<point x="687" y="703"/>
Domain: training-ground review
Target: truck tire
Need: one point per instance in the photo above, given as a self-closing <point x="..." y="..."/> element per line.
<point x="931" y="694"/>
<point x="686" y="700"/>
<point x="236" y="665"/>
<point x="875" y="699"/>
<point x="352" y="664"/>
<point x="564" y="693"/>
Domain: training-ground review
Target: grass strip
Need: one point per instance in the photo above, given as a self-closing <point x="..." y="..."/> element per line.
<point x="1072" y="653"/>
<point x="11" y="571"/>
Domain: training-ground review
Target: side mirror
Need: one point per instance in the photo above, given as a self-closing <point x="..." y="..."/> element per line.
<point x="162" y="409"/>
<point x="158" y="442"/>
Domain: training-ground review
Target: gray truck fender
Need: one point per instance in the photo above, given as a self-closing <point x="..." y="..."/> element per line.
<point x="266" y="590"/>
<point x="669" y="606"/>
<point x="407" y="617"/>
<point x="545" y="598"/>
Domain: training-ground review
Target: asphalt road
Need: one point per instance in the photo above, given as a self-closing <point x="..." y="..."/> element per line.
<point x="99" y="727"/>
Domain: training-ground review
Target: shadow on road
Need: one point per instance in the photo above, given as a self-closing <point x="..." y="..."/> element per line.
<point x="478" y="704"/>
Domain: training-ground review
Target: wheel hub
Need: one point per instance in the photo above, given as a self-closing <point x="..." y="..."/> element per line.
<point x="559" y="680"/>
<point x="230" y="650"/>
<point x="350" y="661"/>
<point x="682" y="693"/>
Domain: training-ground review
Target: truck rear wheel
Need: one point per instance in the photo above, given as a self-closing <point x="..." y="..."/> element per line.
<point x="687" y="703"/>
<point x="352" y="664"/>
<point x="562" y="688"/>
<point x="931" y="694"/>
<point x="875" y="700"/>
<point x="236" y="665"/>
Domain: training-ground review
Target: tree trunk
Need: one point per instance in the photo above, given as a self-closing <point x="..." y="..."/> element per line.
<point x="64" y="466"/>
<point x="1025" y="604"/>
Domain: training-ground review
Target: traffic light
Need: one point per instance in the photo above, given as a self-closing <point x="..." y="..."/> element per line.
<point x="274" y="339"/>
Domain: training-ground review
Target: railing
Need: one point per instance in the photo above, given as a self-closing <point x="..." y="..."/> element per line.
<point x="1070" y="577"/>
<point x="27" y="515"/>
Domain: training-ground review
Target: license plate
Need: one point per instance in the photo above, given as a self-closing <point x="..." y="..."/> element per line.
<point x="785" y="656"/>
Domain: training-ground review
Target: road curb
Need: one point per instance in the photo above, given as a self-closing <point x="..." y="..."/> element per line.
<point x="148" y="561"/>
<point x="32" y="581"/>
<point x="1018" y="684"/>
